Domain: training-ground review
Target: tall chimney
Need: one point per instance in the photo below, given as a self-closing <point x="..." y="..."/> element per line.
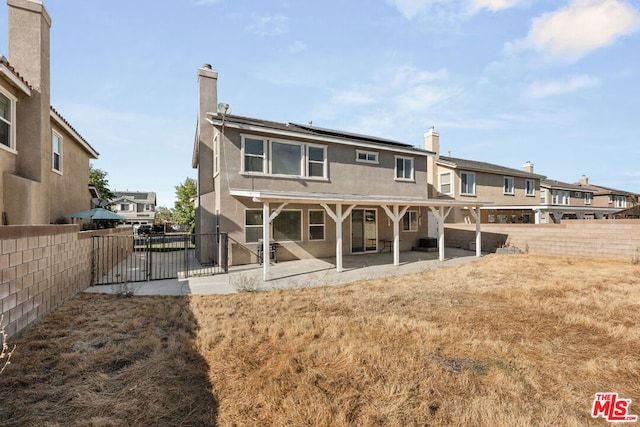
<point x="584" y="180"/>
<point x="528" y="167"/>
<point x="432" y="143"/>
<point x="29" y="28"/>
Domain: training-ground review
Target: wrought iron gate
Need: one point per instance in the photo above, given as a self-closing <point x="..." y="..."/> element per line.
<point x="123" y="259"/>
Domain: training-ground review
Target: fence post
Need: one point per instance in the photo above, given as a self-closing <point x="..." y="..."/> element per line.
<point x="149" y="262"/>
<point x="225" y="251"/>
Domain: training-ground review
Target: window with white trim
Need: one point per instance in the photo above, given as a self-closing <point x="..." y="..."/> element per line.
<point x="316" y="225"/>
<point x="124" y="207"/>
<point x="316" y="160"/>
<point x="252" y="225"/>
<point x="410" y="221"/>
<point x="216" y="155"/>
<point x="284" y="158"/>
<point x="530" y="188"/>
<point x="560" y="197"/>
<point x="508" y="186"/>
<point x="445" y="183"/>
<point x="468" y="183"/>
<point x="404" y="168"/>
<point x="620" y="202"/>
<point x="587" y="198"/>
<point x="56" y="150"/>
<point x="254" y="155"/>
<point x="7" y="120"/>
<point x="287" y="226"/>
<point x="366" y="156"/>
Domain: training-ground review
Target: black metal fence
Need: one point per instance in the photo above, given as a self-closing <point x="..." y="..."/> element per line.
<point x="123" y="259"/>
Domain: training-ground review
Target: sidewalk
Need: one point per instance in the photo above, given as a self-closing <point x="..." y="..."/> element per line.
<point x="296" y="274"/>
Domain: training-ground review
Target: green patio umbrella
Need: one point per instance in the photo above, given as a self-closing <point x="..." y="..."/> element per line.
<point x="96" y="213"/>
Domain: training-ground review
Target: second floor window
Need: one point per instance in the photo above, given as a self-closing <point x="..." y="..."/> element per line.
<point x="468" y="183"/>
<point x="262" y="156"/>
<point x="560" y="197"/>
<point x="530" y="189"/>
<point x="6" y="121"/>
<point x="404" y="168"/>
<point x="124" y="206"/>
<point x="254" y="155"/>
<point x="366" y="156"/>
<point x="620" y="202"/>
<point x="445" y="183"/>
<point x="587" y="198"/>
<point x="508" y="185"/>
<point x="56" y="149"/>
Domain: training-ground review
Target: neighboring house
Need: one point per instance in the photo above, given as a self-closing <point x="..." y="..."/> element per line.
<point x="317" y="192"/>
<point x="605" y="197"/>
<point x="514" y="193"/>
<point x="560" y="200"/>
<point x="137" y="207"/>
<point x="44" y="161"/>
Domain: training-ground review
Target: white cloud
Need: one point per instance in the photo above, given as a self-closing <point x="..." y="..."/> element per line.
<point x="297" y="47"/>
<point x="268" y="25"/>
<point x="494" y="5"/>
<point x="448" y="9"/>
<point x="558" y="87"/>
<point x="582" y="26"/>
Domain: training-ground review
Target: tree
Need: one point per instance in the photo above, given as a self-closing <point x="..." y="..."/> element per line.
<point x="98" y="177"/>
<point x="184" y="212"/>
<point x="164" y="215"/>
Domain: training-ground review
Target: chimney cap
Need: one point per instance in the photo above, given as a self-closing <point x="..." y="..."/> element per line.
<point x="208" y="66"/>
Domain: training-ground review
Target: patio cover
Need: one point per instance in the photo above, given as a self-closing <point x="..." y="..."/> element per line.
<point x="394" y="207"/>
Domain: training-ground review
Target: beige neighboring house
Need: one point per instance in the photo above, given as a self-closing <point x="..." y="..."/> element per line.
<point x="605" y="197"/>
<point x="44" y="161"/>
<point x="138" y="207"/>
<point x="514" y="193"/>
<point x="560" y="200"/>
<point x="316" y="192"/>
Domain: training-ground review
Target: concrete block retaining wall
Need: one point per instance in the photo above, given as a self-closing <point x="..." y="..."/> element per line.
<point x="584" y="238"/>
<point x="41" y="267"/>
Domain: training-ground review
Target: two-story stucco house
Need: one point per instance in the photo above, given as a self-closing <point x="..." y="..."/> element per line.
<point x="138" y="207"/>
<point x="560" y="200"/>
<point x="44" y="161"/>
<point x="317" y="192"/>
<point x="605" y="197"/>
<point x="514" y="193"/>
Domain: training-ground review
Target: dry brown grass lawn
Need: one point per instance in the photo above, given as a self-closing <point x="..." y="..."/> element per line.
<point x="507" y="340"/>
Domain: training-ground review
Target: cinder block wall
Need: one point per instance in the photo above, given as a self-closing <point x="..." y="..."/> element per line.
<point x="585" y="238"/>
<point x="42" y="266"/>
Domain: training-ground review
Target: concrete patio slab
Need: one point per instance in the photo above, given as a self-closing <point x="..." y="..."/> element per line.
<point x="295" y="274"/>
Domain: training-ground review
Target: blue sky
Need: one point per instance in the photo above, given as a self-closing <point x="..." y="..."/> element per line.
<point x="553" y="82"/>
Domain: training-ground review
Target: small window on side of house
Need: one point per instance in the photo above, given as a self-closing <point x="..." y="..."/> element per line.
<point x="56" y="150"/>
<point x="366" y="156"/>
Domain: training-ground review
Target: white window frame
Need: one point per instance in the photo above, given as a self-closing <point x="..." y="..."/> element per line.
<point x="450" y="184"/>
<point x="216" y="155"/>
<point x="587" y="198"/>
<point x="473" y="190"/>
<point x="302" y="157"/>
<point x="543" y="196"/>
<point x="12" y="124"/>
<point x="560" y="197"/>
<point x="273" y="223"/>
<point x="307" y="160"/>
<point x="122" y="205"/>
<point x="264" y="155"/>
<point x="620" y="202"/>
<point x="323" y="225"/>
<point x="508" y="185"/>
<point x="409" y="214"/>
<point x="413" y="168"/>
<point x="55" y="135"/>
<point x="368" y="156"/>
<point x="256" y="226"/>
<point x="530" y="184"/>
